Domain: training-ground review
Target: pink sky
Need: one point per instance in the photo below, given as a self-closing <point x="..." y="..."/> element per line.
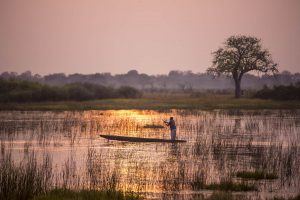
<point x="152" y="36"/>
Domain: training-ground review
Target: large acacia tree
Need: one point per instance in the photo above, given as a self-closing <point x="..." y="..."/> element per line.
<point x="240" y="55"/>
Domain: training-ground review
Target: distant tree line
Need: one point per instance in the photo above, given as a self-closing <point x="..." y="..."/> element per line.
<point x="176" y="80"/>
<point x="13" y="90"/>
<point x="281" y="92"/>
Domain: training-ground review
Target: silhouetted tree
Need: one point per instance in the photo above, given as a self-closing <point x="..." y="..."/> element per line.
<point x="133" y="72"/>
<point x="57" y="78"/>
<point x="26" y="75"/>
<point x="240" y="55"/>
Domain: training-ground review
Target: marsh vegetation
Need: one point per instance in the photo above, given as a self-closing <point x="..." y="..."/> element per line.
<point x="257" y="175"/>
<point x="247" y="154"/>
<point x="207" y="102"/>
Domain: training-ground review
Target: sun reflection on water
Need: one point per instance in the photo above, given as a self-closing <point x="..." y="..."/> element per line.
<point x="220" y="143"/>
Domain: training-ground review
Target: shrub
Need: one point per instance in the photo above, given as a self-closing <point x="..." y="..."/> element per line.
<point x="281" y="92"/>
<point x="26" y="91"/>
<point x="128" y="92"/>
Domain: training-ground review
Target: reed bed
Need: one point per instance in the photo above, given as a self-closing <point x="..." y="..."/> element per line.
<point x="25" y="180"/>
<point x="31" y="179"/>
<point x="221" y="144"/>
<point x="257" y="175"/>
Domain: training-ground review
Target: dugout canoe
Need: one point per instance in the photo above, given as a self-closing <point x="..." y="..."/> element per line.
<point x="138" y="139"/>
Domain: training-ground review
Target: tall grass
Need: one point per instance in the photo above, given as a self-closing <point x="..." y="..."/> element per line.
<point x="87" y="195"/>
<point x="224" y="186"/>
<point x="231" y="186"/>
<point x="220" y="195"/>
<point x="221" y="144"/>
<point x="204" y="103"/>
<point x="31" y="180"/>
<point x="24" y="180"/>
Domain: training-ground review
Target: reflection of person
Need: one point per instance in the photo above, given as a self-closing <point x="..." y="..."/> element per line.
<point x="171" y="124"/>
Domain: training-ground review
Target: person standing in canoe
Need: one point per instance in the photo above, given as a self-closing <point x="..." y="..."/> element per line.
<point x="172" y="125"/>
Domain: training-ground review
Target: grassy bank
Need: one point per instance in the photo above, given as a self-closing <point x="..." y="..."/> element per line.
<point x="158" y="103"/>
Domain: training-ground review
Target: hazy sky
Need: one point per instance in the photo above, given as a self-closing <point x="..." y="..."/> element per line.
<point x="152" y="36"/>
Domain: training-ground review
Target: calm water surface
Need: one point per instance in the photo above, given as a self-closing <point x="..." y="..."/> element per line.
<point x="219" y="144"/>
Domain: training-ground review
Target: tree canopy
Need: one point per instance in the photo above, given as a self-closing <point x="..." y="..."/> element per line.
<point x="240" y="55"/>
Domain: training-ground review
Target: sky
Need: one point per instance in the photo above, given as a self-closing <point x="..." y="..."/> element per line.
<point x="151" y="36"/>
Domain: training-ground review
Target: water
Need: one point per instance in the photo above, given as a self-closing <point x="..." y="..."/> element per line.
<point x="219" y="144"/>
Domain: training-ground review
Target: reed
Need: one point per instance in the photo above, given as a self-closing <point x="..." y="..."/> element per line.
<point x="223" y="186"/>
<point x="257" y="175"/>
<point x="87" y="195"/>
<point x="155" y="126"/>
<point x="31" y="180"/>
<point x="231" y="186"/>
<point x="26" y="180"/>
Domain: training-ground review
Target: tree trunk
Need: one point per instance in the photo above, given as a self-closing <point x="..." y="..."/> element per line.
<point x="237" y="88"/>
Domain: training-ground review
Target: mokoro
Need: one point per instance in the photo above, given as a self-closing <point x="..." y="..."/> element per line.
<point x="138" y="139"/>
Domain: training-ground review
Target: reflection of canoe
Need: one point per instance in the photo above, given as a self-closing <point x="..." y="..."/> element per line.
<point x="138" y="139"/>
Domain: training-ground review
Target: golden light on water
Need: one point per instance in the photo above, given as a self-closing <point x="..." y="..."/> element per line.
<point x="137" y="115"/>
<point x="220" y="143"/>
